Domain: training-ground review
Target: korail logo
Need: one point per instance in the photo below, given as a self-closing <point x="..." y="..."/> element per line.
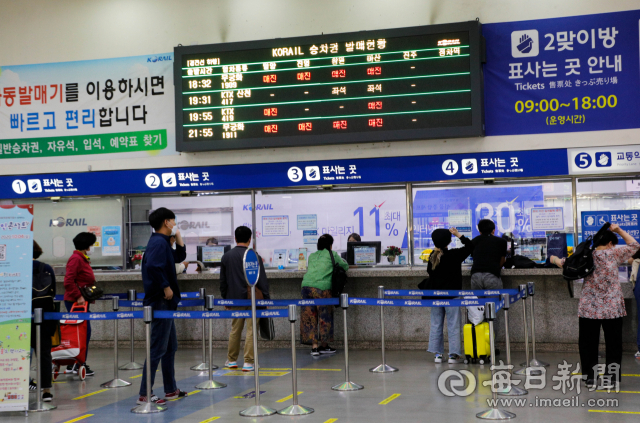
<point x="155" y="59"/>
<point x="412" y="303"/>
<point x="525" y="43"/>
<point x="356" y="301"/>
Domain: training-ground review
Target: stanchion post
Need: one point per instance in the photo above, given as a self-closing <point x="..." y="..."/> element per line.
<point x="294" y="409"/>
<point x="493" y="413"/>
<point x="534" y="361"/>
<point x="203" y="366"/>
<point x="132" y="365"/>
<point x="116" y="382"/>
<point x="347" y="385"/>
<point x="148" y="407"/>
<point x="38" y="405"/>
<point x="252" y="274"/>
<point x="511" y="390"/>
<point x="210" y="384"/>
<point x="525" y="324"/>
<point x="382" y="368"/>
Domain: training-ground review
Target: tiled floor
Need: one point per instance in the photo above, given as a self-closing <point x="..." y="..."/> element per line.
<point x="412" y="394"/>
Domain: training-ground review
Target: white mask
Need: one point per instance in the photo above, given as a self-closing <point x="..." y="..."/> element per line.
<point x="174" y="230"/>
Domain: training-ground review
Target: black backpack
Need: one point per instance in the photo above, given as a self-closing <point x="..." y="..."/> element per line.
<point x="580" y="264"/>
<point x="338" y="278"/>
<point x="41" y="290"/>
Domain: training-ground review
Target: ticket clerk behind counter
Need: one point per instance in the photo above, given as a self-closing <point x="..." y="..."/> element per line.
<point x="354" y="237"/>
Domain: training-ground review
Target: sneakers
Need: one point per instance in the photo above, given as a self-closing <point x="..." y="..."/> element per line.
<point x="89" y="372"/>
<point x="175" y="395"/>
<point x="32" y="385"/>
<point x="47" y="397"/>
<point x="315" y="352"/>
<point x="248" y="367"/>
<point x="438" y="358"/>
<point x="231" y="364"/>
<point x="154" y="399"/>
<point x="638" y="354"/>
<point x="455" y="359"/>
<point x="327" y="350"/>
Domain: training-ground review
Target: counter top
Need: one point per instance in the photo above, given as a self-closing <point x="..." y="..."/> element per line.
<point x="376" y="272"/>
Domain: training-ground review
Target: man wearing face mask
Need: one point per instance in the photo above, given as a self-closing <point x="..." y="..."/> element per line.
<point x="161" y="292"/>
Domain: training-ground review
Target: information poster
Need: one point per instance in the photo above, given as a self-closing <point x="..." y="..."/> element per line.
<point x="459" y="218"/>
<point x="275" y="226"/>
<point x="592" y="221"/>
<point x="16" y="258"/>
<point x="97" y="231"/>
<point x="280" y="258"/>
<point x="364" y="256"/>
<point x="302" y="258"/>
<point x="112" y="245"/>
<point x="212" y="254"/>
<point x="307" y="221"/>
<point x="567" y="74"/>
<point x="547" y="219"/>
<point x="61" y="112"/>
<point x="310" y="237"/>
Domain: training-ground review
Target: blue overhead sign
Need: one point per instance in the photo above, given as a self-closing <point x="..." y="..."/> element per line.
<point x="569" y="74"/>
<point x="510" y="164"/>
<point x="592" y="221"/>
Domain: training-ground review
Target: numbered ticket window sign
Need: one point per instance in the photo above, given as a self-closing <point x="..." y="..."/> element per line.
<point x="251" y="266"/>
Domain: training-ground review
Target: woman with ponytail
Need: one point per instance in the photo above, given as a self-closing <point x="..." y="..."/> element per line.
<point x="445" y="273"/>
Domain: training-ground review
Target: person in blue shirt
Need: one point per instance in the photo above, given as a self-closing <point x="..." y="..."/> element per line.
<point x="161" y="292"/>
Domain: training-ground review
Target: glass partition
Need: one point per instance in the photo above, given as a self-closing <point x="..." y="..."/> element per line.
<point x="55" y="224"/>
<point x="608" y="200"/>
<point x="203" y="220"/>
<point x="527" y="213"/>
<point x="287" y="222"/>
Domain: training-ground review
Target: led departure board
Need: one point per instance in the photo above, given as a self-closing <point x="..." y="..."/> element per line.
<point x="397" y="84"/>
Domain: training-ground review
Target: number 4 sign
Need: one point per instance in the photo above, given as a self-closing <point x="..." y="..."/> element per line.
<point x="450" y="167"/>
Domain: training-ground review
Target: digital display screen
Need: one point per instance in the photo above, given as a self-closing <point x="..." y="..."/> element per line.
<point x="398" y="84"/>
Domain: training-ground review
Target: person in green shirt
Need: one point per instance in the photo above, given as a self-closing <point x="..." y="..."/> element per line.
<point x="317" y="284"/>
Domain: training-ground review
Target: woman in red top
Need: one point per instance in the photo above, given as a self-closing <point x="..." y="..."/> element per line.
<point x="79" y="273"/>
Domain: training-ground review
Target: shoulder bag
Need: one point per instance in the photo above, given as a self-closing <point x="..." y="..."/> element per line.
<point x="338" y="278"/>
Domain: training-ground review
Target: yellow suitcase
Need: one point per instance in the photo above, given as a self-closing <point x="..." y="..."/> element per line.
<point x="477" y="343"/>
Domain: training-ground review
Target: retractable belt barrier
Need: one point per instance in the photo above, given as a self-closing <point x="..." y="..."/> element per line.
<point x="448" y="293"/>
<point x="242" y="314"/>
<point x="420" y="303"/>
<point x="105" y="297"/>
<point x="108" y="315"/>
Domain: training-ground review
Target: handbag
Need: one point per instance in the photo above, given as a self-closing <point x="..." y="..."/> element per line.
<point x="338" y="278"/>
<point x="90" y="293"/>
<point x="266" y="327"/>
